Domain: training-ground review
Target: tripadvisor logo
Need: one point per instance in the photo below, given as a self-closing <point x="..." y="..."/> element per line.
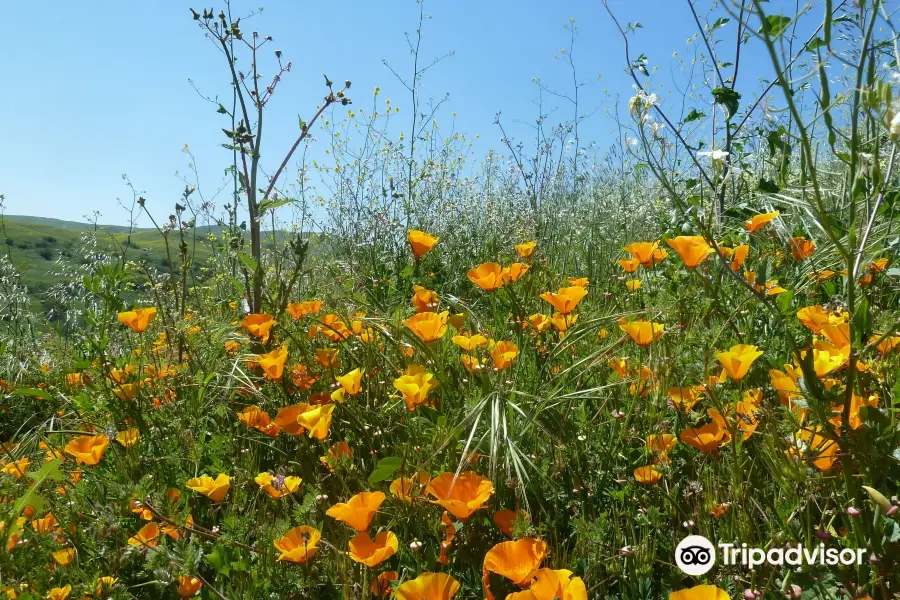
<point x="695" y="555"/>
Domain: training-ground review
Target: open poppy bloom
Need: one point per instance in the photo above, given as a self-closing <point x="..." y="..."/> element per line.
<point x="299" y="544"/>
<point x="352" y="381"/>
<point x="214" y="489"/>
<point x="471" y="363"/>
<point x="504" y="354"/>
<point x="64" y="557"/>
<point x="458" y="320"/>
<point x="802" y="248"/>
<point x="410" y="488"/>
<point x="317" y="420"/>
<point x="188" y="586"/>
<point x="88" y="449"/>
<point x="428" y="326"/>
<point x="415" y="385"/>
<point x="514" y="272"/>
<point x="57" y="593"/>
<point x="633" y="284"/>
<point x="137" y="319"/>
<point x="358" y="511"/>
<point x="424" y="300"/>
<point x="759" y="221"/>
<point x="526" y="249"/>
<point x="565" y="299"/>
<point x="517" y="561"/>
<point x="629" y="265"/>
<point x="428" y="586"/>
<point x="469" y="342"/>
<point x="700" y="592"/>
<point x="255" y="418"/>
<point x="461" y="497"/>
<point x="16" y="468"/>
<point x="648" y="254"/>
<point x="420" y="242"/>
<point x="381" y="585"/>
<point x="298" y="310"/>
<point x="660" y="445"/>
<point x="642" y="332"/>
<point x="272" y="363"/>
<point x="147" y="537"/>
<point x="684" y="398"/>
<point x="739" y="257"/>
<point x="258" y="325"/>
<point x="286" y="419"/>
<point x="737" y="360"/>
<point x="692" y="249"/>
<point x="540" y="323"/>
<point x="129" y="437"/>
<point x="504" y="519"/>
<point x="551" y="584"/>
<point x="705" y="438"/>
<point x="277" y="486"/>
<point x="487" y="276"/>
<point x="647" y="475"/>
<point x="372" y="553"/>
<point x="45" y="524"/>
<point x="856" y="403"/>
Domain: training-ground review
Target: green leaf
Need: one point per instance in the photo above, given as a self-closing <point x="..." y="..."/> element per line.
<point x="31" y="392"/>
<point x="222" y="110"/>
<point x="783" y="301"/>
<point x="384" y="469"/>
<point x="693" y="116"/>
<point x="272" y="205"/>
<point x="49" y="472"/>
<point x="248" y="262"/>
<point x="774" y="25"/>
<point x="728" y="97"/>
<point x="720" y="22"/>
<point x="862" y="322"/>
<point x="815" y="45"/>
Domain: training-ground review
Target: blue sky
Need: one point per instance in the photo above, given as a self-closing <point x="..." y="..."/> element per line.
<point x="100" y="89"/>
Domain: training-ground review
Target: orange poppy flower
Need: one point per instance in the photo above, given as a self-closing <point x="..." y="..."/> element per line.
<point x="381" y="585"/>
<point x="739" y="257"/>
<point x="428" y="586"/>
<point x="415" y="385"/>
<point x="429" y="327"/>
<point x="504" y="354"/>
<point x="685" y="398"/>
<point x="88" y="449"/>
<point x="642" y="332"/>
<point x="458" y="320"/>
<point x="57" y="593"/>
<point x="461" y="497"/>
<point x="45" y="524"/>
<point x="504" y="519"/>
<point x="633" y="284"/>
<point x="661" y="445"/>
<point x="106" y="584"/>
<point x="565" y="299"/>
<point x="705" y="438"/>
<point x="514" y="272"/>
<point x="327" y="358"/>
<point x="647" y="475"/>
<point x="129" y="437"/>
<point x="553" y="583"/>
<point x="700" y="592"/>
<point x="802" y="248"/>
<point x="540" y="323"/>
<point x="214" y="489"/>
<point x="420" y="242"/>
<point x="272" y="363"/>
<point x="692" y="249"/>
<point x="188" y="586"/>
<point x="258" y="325"/>
<point x="351" y="382"/>
<point x="279" y="486"/>
<point x="424" y="300"/>
<point x="64" y="557"/>
<point x="298" y="310"/>
<point x="526" y="249"/>
<point x="410" y="488"/>
<point x="147" y="537"/>
<point x="17" y="468"/>
<point x="518" y="561"/>
<point x="137" y="319"/>
<point x="737" y="360"/>
<point x="337" y="453"/>
<point x="471" y="363"/>
<point x="358" y="511"/>
<point x="759" y="221"/>
<point x="372" y="553"/>
<point x="629" y="265"/>
<point x="469" y="342"/>
<point x="286" y="419"/>
<point x="317" y="420"/>
<point x="299" y="544"/>
<point x="487" y="276"/>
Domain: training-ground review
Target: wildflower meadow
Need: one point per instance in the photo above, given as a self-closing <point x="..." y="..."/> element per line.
<point x="527" y="375"/>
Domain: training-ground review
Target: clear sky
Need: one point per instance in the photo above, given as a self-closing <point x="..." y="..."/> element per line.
<point x="94" y="90"/>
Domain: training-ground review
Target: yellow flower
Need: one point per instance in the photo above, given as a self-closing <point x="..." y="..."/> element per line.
<point x="503" y="354"/>
<point x="540" y="323"/>
<point x="526" y="249"/>
<point x="372" y="553"/>
<point x="759" y="221"/>
<point x="64" y="557"/>
<point x="514" y="272"/>
<point x="424" y="300"/>
<point x="299" y="544"/>
<point x="487" y="276"/>
<point x="188" y="586"/>
<point x="565" y="299"/>
<point x="692" y="249"/>
<point x="428" y="586"/>
<point x="137" y="319"/>
<point x="317" y="420"/>
<point x="147" y="537"/>
<point x="420" y="242"/>
<point x="358" y="511"/>
<point x="642" y="332"/>
<point x="415" y="385"/>
<point x="258" y="325"/>
<point x="17" y="468"/>
<point x="738" y="359"/>
<point x="410" y="488"/>
<point x="214" y="489"/>
<point x="129" y="437"/>
<point x="462" y="495"/>
<point x="802" y="248"/>
<point x="88" y="449"/>
<point x="352" y="381"/>
<point x="633" y="284"/>
<point x="648" y="254"/>
<point x="647" y="475"/>
<point x="517" y="561"/>
<point x="469" y="342"/>
<point x="272" y="363"/>
<point x="700" y="592"/>
<point x="59" y="593"/>
<point x="429" y="327"/>
<point x="276" y="487"/>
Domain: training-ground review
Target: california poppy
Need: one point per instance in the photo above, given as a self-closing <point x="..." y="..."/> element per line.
<point x="685" y="398"/>
<point x="129" y="437"/>
<point x="286" y="419"/>
<point x="526" y="249"/>
<point x="410" y="488"/>
<point x="504" y="354"/>
<point x="258" y="325"/>
<point x="420" y="242"/>
<point x="802" y="248"/>
<point x="424" y="300"/>
<point x="514" y="272"/>
<point x="468" y="341"/>
<point x="64" y="557"/>
<point x="504" y="519"/>
<point x="648" y="254"/>
<point x="88" y="449"/>
<point x="147" y="537"/>
<point x="759" y="221"/>
<point x="705" y="438"/>
<point x="555" y="583"/>
<point x="317" y="420"/>
<point x="415" y="385"/>
<point x="277" y="486"/>
<point x="565" y="299"/>
<point x="365" y="550"/>
<point x="661" y="445"/>
<point x="540" y="323"/>
<point x="188" y="586"/>
<point x="351" y="382"/>
<point x="272" y="363"/>
<point x="298" y="310"/>
<point x="462" y="495"/>
<point x="429" y="327"/>
<point x="299" y="544"/>
<point x="428" y="586"/>
<point x="629" y="265"/>
<point x="57" y="593"/>
<point x="381" y="585"/>
<point x="358" y="511"/>
<point x="16" y="468"/>
<point x="642" y="332"/>
<point x="518" y="561"/>
<point x="737" y="360"/>
<point x="700" y="592"/>
<point x="487" y="276"/>
<point x="137" y="319"/>
<point x="692" y="249"/>
<point x="739" y="257"/>
<point x="214" y="489"/>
